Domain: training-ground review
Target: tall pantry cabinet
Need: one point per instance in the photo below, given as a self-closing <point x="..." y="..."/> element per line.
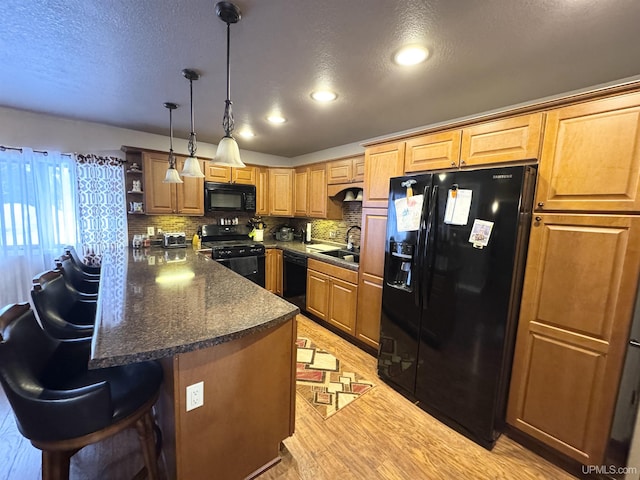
<point x="382" y="162"/>
<point x="581" y="277"/>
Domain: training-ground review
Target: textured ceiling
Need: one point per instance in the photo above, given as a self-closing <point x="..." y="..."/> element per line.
<point x="117" y="61"/>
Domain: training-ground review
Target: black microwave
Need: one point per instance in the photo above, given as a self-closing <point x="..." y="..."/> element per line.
<point x="227" y="197"/>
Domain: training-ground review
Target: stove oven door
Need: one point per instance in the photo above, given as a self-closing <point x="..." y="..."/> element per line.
<point x="252" y="268"/>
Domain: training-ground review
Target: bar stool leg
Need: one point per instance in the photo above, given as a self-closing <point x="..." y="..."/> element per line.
<point x="144" y="426"/>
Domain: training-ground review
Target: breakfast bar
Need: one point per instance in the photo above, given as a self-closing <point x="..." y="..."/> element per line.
<point x="227" y="348"/>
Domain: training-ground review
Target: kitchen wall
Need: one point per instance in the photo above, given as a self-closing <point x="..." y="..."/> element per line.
<point x="45" y="132"/>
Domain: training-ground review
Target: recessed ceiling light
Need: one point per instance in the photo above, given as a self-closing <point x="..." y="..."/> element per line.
<point x="246" y="133"/>
<point x="411" y="55"/>
<point x="324" y="96"/>
<point x="275" y="118"/>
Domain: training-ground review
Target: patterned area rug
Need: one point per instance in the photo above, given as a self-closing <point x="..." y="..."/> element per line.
<point x="327" y="384"/>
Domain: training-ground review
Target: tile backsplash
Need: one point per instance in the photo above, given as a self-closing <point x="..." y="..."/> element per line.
<point x="331" y="230"/>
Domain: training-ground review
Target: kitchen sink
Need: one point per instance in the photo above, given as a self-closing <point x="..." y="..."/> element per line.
<point x="343" y="254"/>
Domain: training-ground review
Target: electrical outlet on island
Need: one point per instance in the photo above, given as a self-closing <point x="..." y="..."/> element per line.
<point x="195" y="396"/>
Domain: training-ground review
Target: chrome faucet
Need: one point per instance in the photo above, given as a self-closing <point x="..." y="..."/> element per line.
<point x="350" y="245"/>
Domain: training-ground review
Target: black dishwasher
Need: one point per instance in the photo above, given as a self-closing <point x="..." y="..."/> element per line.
<point x="294" y="278"/>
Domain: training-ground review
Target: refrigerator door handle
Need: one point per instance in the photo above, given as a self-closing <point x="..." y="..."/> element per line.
<point x="428" y="245"/>
<point x="417" y="264"/>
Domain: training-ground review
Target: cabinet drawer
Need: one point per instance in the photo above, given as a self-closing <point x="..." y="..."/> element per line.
<point x="333" y="271"/>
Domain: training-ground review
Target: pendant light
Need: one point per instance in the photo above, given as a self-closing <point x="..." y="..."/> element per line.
<point x="172" y="174"/>
<point x="228" y="152"/>
<point x="191" y="164"/>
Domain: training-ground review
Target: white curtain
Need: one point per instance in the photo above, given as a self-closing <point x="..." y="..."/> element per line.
<point x="102" y="206"/>
<point x="38" y="216"/>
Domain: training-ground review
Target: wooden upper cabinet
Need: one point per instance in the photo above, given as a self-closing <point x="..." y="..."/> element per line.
<point x="433" y="152"/>
<point x="166" y="198"/>
<point x="346" y="170"/>
<point x="382" y="162"/>
<point x="245" y="176"/>
<point x="591" y="157"/>
<point x="262" y="190"/>
<point x="320" y="204"/>
<point x="222" y="174"/>
<point x="281" y="192"/>
<point x="358" y="168"/>
<point x="159" y="197"/>
<point x="190" y="194"/>
<point x="577" y="305"/>
<point x="301" y="191"/>
<point x="507" y="140"/>
<point x="217" y="173"/>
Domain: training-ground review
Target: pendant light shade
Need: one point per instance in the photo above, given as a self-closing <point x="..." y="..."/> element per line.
<point x="191" y="165"/>
<point x="228" y="152"/>
<point x="172" y="174"/>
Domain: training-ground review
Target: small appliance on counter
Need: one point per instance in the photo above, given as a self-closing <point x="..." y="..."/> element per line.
<point x="174" y="240"/>
<point x="284" y="234"/>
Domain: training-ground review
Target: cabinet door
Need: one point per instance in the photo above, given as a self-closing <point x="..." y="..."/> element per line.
<point x="159" y="198"/>
<point x="318" y="291"/>
<point x="301" y="191"/>
<point x="367" y="327"/>
<point x="281" y="192"/>
<point x="318" y="198"/>
<point x="273" y="271"/>
<point x="245" y="176"/>
<point x="262" y="191"/>
<point x="343" y="303"/>
<point x="358" y="169"/>
<point x="433" y="152"/>
<point x="190" y="194"/>
<point x="373" y="239"/>
<point x="371" y="272"/>
<point x="381" y="163"/>
<point x="270" y="270"/>
<point x="217" y="173"/>
<point x="506" y="140"/>
<point x="577" y="304"/>
<point x="340" y="171"/>
<point x="591" y="157"/>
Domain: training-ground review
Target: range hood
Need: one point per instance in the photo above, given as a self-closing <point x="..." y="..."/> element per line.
<point x="340" y="190"/>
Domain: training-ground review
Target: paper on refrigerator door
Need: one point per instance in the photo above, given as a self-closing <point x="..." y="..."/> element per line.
<point x="458" y="206"/>
<point x="480" y="233"/>
<point x="408" y="210"/>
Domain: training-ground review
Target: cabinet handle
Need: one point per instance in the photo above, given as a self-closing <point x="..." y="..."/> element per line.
<point x="541" y="204"/>
<point x="538" y="219"/>
<point x="453" y="164"/>
<point x="462" y="162"/>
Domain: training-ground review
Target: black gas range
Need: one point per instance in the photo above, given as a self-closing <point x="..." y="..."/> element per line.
<point x="231" y="246"/>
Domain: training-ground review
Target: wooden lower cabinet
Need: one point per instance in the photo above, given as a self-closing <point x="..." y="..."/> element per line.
<point x="332" y="294"/>
<point x="577" y="304"/>
<point x="273" y="270"/>
<point x="369" y="309"/>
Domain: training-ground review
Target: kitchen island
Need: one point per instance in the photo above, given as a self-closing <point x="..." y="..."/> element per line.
<point x="204" y="323"/>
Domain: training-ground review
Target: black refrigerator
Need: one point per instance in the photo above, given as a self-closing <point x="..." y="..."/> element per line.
<point x="454" y="262"/>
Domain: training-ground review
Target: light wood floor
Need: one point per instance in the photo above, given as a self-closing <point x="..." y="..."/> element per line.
<point x="380" y="436"/>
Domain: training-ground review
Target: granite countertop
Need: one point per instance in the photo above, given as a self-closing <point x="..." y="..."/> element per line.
<point x="155" y="303"/>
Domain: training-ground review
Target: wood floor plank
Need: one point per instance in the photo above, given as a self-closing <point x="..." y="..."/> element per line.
<point x="382" y="435"/>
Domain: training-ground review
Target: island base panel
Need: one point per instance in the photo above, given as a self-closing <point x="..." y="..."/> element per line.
<point x="249" y="406"/>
